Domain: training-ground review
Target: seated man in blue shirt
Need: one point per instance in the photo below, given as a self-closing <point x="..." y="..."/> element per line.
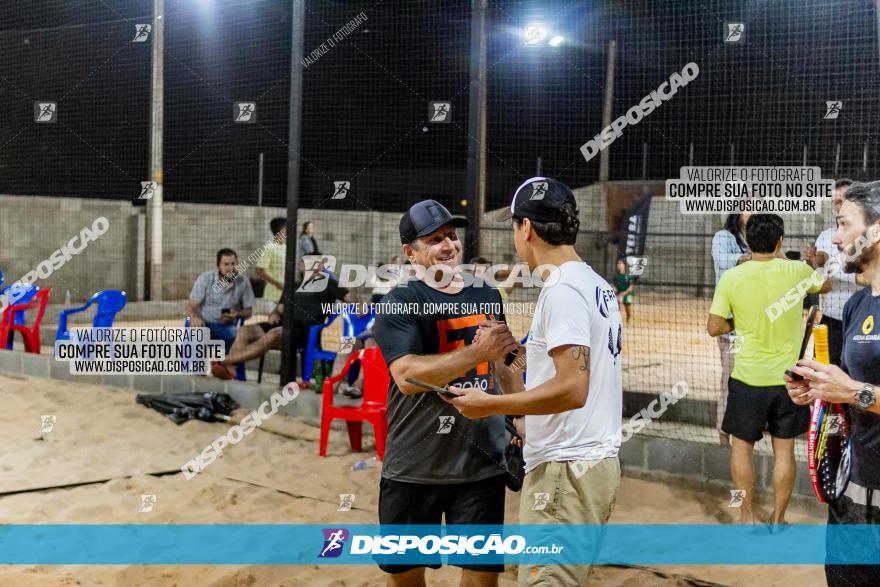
<point x="219" y="298"/>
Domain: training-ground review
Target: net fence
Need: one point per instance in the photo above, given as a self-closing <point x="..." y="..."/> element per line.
<point x="385" y="123"/>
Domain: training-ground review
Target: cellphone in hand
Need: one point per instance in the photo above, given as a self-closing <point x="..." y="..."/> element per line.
<point x="808" y="332"/>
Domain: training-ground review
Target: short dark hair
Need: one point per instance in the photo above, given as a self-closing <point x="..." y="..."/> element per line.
<point x="276" y="224"/>
<point x="563" y="231"/>
<point x="479" y="261"/>
<point x="763" y="231"/>
<point x="225" y="253"/>
<point x="843" y="182"/>
<point x="867" y="197"/>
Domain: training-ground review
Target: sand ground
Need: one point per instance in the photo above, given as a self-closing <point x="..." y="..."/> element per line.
<point x="114" y="447"/>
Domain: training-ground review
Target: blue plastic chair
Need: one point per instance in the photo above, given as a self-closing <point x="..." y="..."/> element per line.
<point x="354" y="325"/>
<point x="109" y="302"/>
<point x="313" y="351"/>
<point x="19" y="293"/>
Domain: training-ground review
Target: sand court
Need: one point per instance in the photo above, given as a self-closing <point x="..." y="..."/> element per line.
<point x="104" y="453"/>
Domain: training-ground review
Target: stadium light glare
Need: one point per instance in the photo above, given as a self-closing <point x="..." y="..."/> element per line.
<point x="556" y="41"/>
<point x="534" y="33"/>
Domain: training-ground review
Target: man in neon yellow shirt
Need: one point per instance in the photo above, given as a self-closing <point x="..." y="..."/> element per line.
<point x="765" y="295"/>
<point x="270" y="267"/>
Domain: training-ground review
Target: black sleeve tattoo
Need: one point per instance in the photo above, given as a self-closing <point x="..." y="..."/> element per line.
<point x="582" y="353"/>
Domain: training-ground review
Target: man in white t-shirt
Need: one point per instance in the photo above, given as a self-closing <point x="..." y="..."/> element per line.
<point x="843" y="285"/>
<point x="573" y="398"/>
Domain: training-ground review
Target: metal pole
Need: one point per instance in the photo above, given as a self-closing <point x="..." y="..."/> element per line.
<point x="604" y="160"/>
<point x="644" y="161"/>
<point x="836" y="159"/>
<point x="288" y="352"/>
<point x="865" y="159"/>
<point x="153" y="240"/>
<point x="691" y="156"/>
<point x="731" y="154"/>
<point x="538" y="167"/>
<point x="805" y="155"/>
<point x="476" y="164"/>
<point x="260" y="184"/>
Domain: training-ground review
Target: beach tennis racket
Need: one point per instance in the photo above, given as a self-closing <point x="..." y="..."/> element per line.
<point x="828" y="446"/>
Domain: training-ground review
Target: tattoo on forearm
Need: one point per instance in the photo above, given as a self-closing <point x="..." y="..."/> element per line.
<point x="582" y="353"/>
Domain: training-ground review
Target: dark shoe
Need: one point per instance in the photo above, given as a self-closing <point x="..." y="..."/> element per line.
<point x="353" y="392"/>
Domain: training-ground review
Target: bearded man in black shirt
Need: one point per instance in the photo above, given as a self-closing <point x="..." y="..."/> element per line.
<point x="853" y="384"/>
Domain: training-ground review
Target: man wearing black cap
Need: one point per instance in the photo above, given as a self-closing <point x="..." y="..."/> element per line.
<point x="436" y="462"/>
<point x="573" y="401"/>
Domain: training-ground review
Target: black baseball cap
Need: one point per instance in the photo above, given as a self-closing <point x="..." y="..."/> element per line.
<point x="539" y="199"/>
<point x="424" y="218"/>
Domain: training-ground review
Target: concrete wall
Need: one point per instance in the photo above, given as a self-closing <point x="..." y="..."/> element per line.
<point x="32" y="227"/>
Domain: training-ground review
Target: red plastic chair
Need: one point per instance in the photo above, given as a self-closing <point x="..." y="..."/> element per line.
<point x="372" y="408"/>
<point x="31" y="335"/>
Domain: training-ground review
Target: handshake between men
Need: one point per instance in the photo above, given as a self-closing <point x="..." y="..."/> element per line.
<point x="495" y="341"/>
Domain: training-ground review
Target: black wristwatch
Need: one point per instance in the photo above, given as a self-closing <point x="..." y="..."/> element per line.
<point x="865" y="397"/>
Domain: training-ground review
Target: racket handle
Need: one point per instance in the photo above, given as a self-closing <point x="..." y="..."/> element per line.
<point x="820" y="343"/>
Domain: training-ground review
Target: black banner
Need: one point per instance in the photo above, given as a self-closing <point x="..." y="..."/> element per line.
<point x="633" y="228"/>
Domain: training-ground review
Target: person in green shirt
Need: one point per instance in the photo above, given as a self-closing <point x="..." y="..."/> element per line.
<point x="765" y="295"/>
<point x="624" y="285"/>
<point x="270" y="267"/>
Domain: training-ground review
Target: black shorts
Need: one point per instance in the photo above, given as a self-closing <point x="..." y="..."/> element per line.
<point x="751" y="408"/>
<point x="481" y="502"/>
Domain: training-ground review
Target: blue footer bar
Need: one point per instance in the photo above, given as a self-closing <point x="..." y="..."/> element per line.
<point x="278" y="544"/>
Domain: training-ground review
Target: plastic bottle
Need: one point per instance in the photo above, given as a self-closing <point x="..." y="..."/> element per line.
<point x="318" y="372"/>
<point x="370" y="463"/>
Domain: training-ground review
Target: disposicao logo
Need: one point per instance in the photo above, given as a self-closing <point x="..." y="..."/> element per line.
<point x="334" y="541"/>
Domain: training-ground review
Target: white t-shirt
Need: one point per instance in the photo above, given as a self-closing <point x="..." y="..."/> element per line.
<point x="580" y="309"/>
<point x="843" y="285"/>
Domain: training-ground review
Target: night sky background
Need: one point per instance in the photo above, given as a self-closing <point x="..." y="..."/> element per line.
<point x="365" y="106"/>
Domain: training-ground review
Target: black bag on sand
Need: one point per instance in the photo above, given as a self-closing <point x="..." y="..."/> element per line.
<point x="208" y="407"/>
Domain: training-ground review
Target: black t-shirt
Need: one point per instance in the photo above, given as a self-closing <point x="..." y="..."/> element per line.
<point x="310" y="306"/>
<point x="861" y="360"/>
<point x="428" y="440"/>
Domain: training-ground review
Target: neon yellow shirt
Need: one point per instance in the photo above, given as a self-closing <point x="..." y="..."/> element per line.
<point x="272" y="262"/>
<point x="766" y="300"/>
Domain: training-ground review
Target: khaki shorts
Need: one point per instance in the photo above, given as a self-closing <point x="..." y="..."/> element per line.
<point x="581" y="492"/>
